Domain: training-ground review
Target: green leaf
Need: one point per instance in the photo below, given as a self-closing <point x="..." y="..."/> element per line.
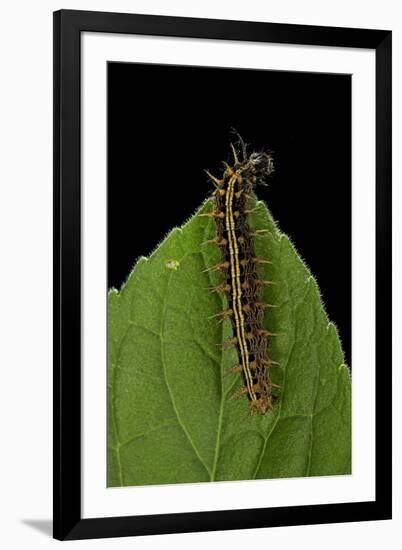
<point x="170" y="416"/>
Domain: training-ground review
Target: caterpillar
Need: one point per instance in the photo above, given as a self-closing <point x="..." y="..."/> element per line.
<point x="238" y="263"/>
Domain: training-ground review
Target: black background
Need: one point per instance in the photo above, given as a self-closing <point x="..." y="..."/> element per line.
<point x="167" y="123"/>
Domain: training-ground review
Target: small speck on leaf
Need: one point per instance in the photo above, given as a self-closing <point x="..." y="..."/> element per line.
<point x="172" y="264"/>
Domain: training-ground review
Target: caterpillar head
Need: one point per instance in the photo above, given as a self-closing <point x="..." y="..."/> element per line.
<point x="262" y="165"/>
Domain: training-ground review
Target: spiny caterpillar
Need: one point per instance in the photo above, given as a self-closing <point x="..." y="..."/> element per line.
<point x="239" y="265"/>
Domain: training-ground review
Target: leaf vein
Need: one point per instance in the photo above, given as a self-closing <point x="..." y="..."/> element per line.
<point x="170" y="389"/>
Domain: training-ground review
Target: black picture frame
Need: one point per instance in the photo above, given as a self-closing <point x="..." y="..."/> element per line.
<point x="68" y="26"/>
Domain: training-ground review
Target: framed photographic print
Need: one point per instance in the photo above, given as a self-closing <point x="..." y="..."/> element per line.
<point x="222" y="229"/>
